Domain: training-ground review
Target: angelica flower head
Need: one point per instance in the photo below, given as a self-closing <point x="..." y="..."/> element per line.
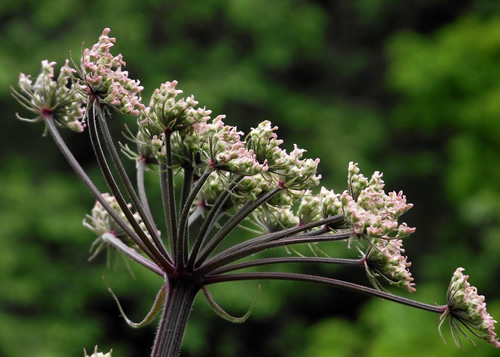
<point x="466" y="307"/>
<point x="50" y="97"/>
<point x="104" y="80"/>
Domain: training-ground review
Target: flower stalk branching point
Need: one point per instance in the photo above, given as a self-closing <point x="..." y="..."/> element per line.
<point x="229" y="182"/>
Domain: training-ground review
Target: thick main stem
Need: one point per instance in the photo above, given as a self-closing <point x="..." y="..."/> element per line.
<point x="180" y="298"/>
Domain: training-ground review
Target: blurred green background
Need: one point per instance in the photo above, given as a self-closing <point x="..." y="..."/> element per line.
<point x="410" y="88"/>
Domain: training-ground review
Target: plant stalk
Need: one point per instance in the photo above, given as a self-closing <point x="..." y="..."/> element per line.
<point x="180" y="298"/>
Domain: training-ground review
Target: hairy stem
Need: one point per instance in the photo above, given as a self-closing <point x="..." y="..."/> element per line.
<point x="168" y="199"/>
<point x="185" y="208"/>
<point x="180" y="298"/>
<point x="141" y="167"/>
<point x="131" y="253"/>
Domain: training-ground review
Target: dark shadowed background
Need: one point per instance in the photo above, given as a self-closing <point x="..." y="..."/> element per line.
<point x="410" y="88"/>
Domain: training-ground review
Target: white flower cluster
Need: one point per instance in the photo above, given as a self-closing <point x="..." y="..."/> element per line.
<point x="271" y="219"/>
<point x="308" y="208"/>
<point x="100" y="222"/>
<point x="51" y="97"/>
<point x="286" y="169"/>
<point x="203" y="144"/>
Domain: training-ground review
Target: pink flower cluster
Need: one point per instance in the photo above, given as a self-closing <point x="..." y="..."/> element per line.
<point x="223" y="149"/>
<point x="370" y="211"/>
<point x="373" y="215"/>
<point x="467" y="307"/>
<point x="290" y="170"/>
<point x="106" y="81"/>
<point x="384" y="259"/>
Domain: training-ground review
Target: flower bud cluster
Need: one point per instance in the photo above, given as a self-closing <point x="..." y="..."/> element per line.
<point x="330" y="203"/>
<point x="168" y="112"/>
<point x="100" y="222"/>
<point x="373" y="215"/>
<point x="49" y="97"/>
<point x="384" y="259"/>
<point x="222" y="149"/>
<point x="309" y="208"/>
<point x="271" y="219"/>
<point x="467" y="307"/>
<point x="370" y="211"/>
<point x="288" y="170"/>
<point x="104" y="79"/>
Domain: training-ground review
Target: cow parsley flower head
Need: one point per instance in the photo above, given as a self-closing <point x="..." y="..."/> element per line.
<point x="50" y="97"/>
<point x="466" y="307"/>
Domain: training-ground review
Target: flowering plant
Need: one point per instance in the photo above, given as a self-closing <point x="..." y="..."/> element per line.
<point x="229" y="181"/>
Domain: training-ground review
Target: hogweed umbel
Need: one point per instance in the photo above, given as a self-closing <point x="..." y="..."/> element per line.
<point x="229" y="181"/>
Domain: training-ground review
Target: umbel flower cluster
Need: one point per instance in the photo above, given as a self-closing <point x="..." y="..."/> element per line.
<point x="230" y="182"/>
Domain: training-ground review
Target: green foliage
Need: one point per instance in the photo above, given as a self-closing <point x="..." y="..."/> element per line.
<point x="450" y="94"/>
<point x="333" y="336"/>
<point x="40" y="242"/>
